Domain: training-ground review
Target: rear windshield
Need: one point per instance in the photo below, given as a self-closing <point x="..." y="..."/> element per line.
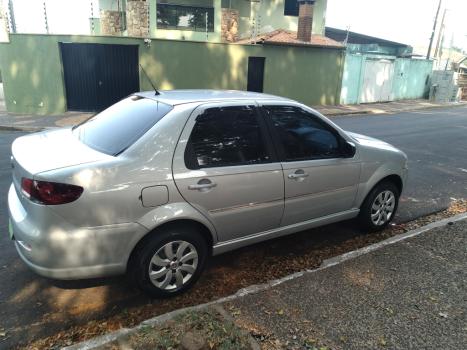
<point x="119" y="126"/>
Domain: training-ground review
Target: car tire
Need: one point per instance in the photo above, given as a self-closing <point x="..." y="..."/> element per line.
<point x="379" y="207"/>
<point x="169" y="261"/>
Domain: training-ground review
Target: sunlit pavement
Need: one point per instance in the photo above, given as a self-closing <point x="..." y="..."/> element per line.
<point x="32" y="307"/>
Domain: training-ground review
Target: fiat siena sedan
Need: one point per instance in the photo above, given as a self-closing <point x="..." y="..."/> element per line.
<point x="159" y="182"/>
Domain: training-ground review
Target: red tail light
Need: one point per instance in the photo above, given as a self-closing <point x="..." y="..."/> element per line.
<point x="50" y="193"/>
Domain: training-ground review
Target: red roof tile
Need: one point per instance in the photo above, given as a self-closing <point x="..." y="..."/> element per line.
<point x="287" y="37"/>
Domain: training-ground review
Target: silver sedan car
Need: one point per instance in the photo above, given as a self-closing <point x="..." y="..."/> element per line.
<point x="159" y="182"/>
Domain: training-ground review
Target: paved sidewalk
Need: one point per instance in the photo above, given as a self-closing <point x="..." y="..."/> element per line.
<point x="383" y="108"/>
<point x="409" y="295"/>
<point x="408" y="292"/>
<point x="36" y="122"/>
<point x="28" y="122"/>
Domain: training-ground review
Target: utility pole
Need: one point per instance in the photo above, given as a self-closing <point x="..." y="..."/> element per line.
<point x="438" y="49"/>
<point x="346" y="40"/>
<point x="428" y="55"/>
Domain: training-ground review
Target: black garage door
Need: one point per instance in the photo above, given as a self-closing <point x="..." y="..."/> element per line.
<point x="98" y="75"/>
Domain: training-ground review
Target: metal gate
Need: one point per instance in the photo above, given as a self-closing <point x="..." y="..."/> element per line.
<point x="98" y="75"/>
<point x="255" y="74"/>
<point x="377" y="81"/>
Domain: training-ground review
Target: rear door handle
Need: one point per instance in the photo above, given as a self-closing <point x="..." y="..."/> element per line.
<point x="203" y="184"/>
<point x="299" y="174"/>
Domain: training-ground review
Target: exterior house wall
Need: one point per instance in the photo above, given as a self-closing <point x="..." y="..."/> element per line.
<point x="409" y="79"/>
<point x="3" y="24"/>
<point x="137" y="18"/>
<point x="111" y="22"/>
<point x="229" y="25"/>
<point x="272" y="16"/>
<point x="33" y="76"/>
<point x="255" y="17"/>
<point x="175" y="34"/>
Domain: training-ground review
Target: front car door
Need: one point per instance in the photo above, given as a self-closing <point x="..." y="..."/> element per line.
<point x="320" y="180"/>
<point x="225" y="166"/>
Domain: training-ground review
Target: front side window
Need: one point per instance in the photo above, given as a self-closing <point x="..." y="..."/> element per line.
<point x="183" y="17"/>
<point x="302" y="135"/>
<point x="119" y="126"/>
<point x="226" y="136"/>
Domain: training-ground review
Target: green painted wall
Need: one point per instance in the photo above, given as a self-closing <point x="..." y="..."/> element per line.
<point x="33" y="79"/>
<point x="32" y="74"/>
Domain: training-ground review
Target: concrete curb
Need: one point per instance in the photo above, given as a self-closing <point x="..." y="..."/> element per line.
<point x="105" y="339"/>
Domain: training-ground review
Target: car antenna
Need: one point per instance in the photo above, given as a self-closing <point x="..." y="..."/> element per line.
<point x="150" y="81"/>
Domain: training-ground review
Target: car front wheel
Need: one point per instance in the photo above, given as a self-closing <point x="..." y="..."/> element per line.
<point x="169" y="262"/>
<point x="379" y="207"/>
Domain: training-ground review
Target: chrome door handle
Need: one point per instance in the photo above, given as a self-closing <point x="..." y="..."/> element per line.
<point x="202" y="185"/>
<point x="297" y="176"/>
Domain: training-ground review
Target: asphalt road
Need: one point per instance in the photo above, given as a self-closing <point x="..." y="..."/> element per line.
<point x="32" y="307"/>
<point x="435" y="142"/>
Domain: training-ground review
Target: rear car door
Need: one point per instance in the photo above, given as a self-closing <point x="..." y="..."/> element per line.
<point x="225" y="166"/>
<point x="320" y="178"/>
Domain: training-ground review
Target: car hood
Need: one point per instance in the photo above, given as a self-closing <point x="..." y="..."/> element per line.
<point x="372" y="142"/>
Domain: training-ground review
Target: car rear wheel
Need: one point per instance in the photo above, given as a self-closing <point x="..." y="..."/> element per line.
<point x="169" y="262"/>
<point x="380" y="207"/>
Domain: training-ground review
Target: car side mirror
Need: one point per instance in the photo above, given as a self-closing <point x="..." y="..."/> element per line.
<point x="348" y="149"/>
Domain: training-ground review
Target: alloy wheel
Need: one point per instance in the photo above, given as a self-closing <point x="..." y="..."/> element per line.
<point x="383" y="207"/>
<point x="173" y="265"/>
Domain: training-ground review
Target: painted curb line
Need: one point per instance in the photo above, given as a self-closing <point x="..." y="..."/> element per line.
<point x="107" y="338"/>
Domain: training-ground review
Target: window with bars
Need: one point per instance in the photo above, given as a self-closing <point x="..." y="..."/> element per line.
<point x="183" y="17"/>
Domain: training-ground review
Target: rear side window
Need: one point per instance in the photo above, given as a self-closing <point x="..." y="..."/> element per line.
<point x="303" y="136"/>
<point x="119" y="126"/>
<point x="226" y="136"/>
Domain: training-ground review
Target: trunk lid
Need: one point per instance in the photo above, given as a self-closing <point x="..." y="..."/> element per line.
<point x="49" y="150"/>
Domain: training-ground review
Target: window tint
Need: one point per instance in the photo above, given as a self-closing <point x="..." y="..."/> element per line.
<point x="303" y="135"/>
<point x="120" y="125"/>
<point x="224" y="137"/>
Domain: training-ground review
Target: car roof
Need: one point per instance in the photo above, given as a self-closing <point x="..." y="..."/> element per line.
<point x="176" y="97"/>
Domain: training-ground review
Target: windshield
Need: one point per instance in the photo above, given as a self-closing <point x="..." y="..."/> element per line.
<point x="119" y="126"/>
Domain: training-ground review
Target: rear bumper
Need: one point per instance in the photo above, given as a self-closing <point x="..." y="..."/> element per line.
<point x="53" y="248"/>
<point x="71" y="273"/>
